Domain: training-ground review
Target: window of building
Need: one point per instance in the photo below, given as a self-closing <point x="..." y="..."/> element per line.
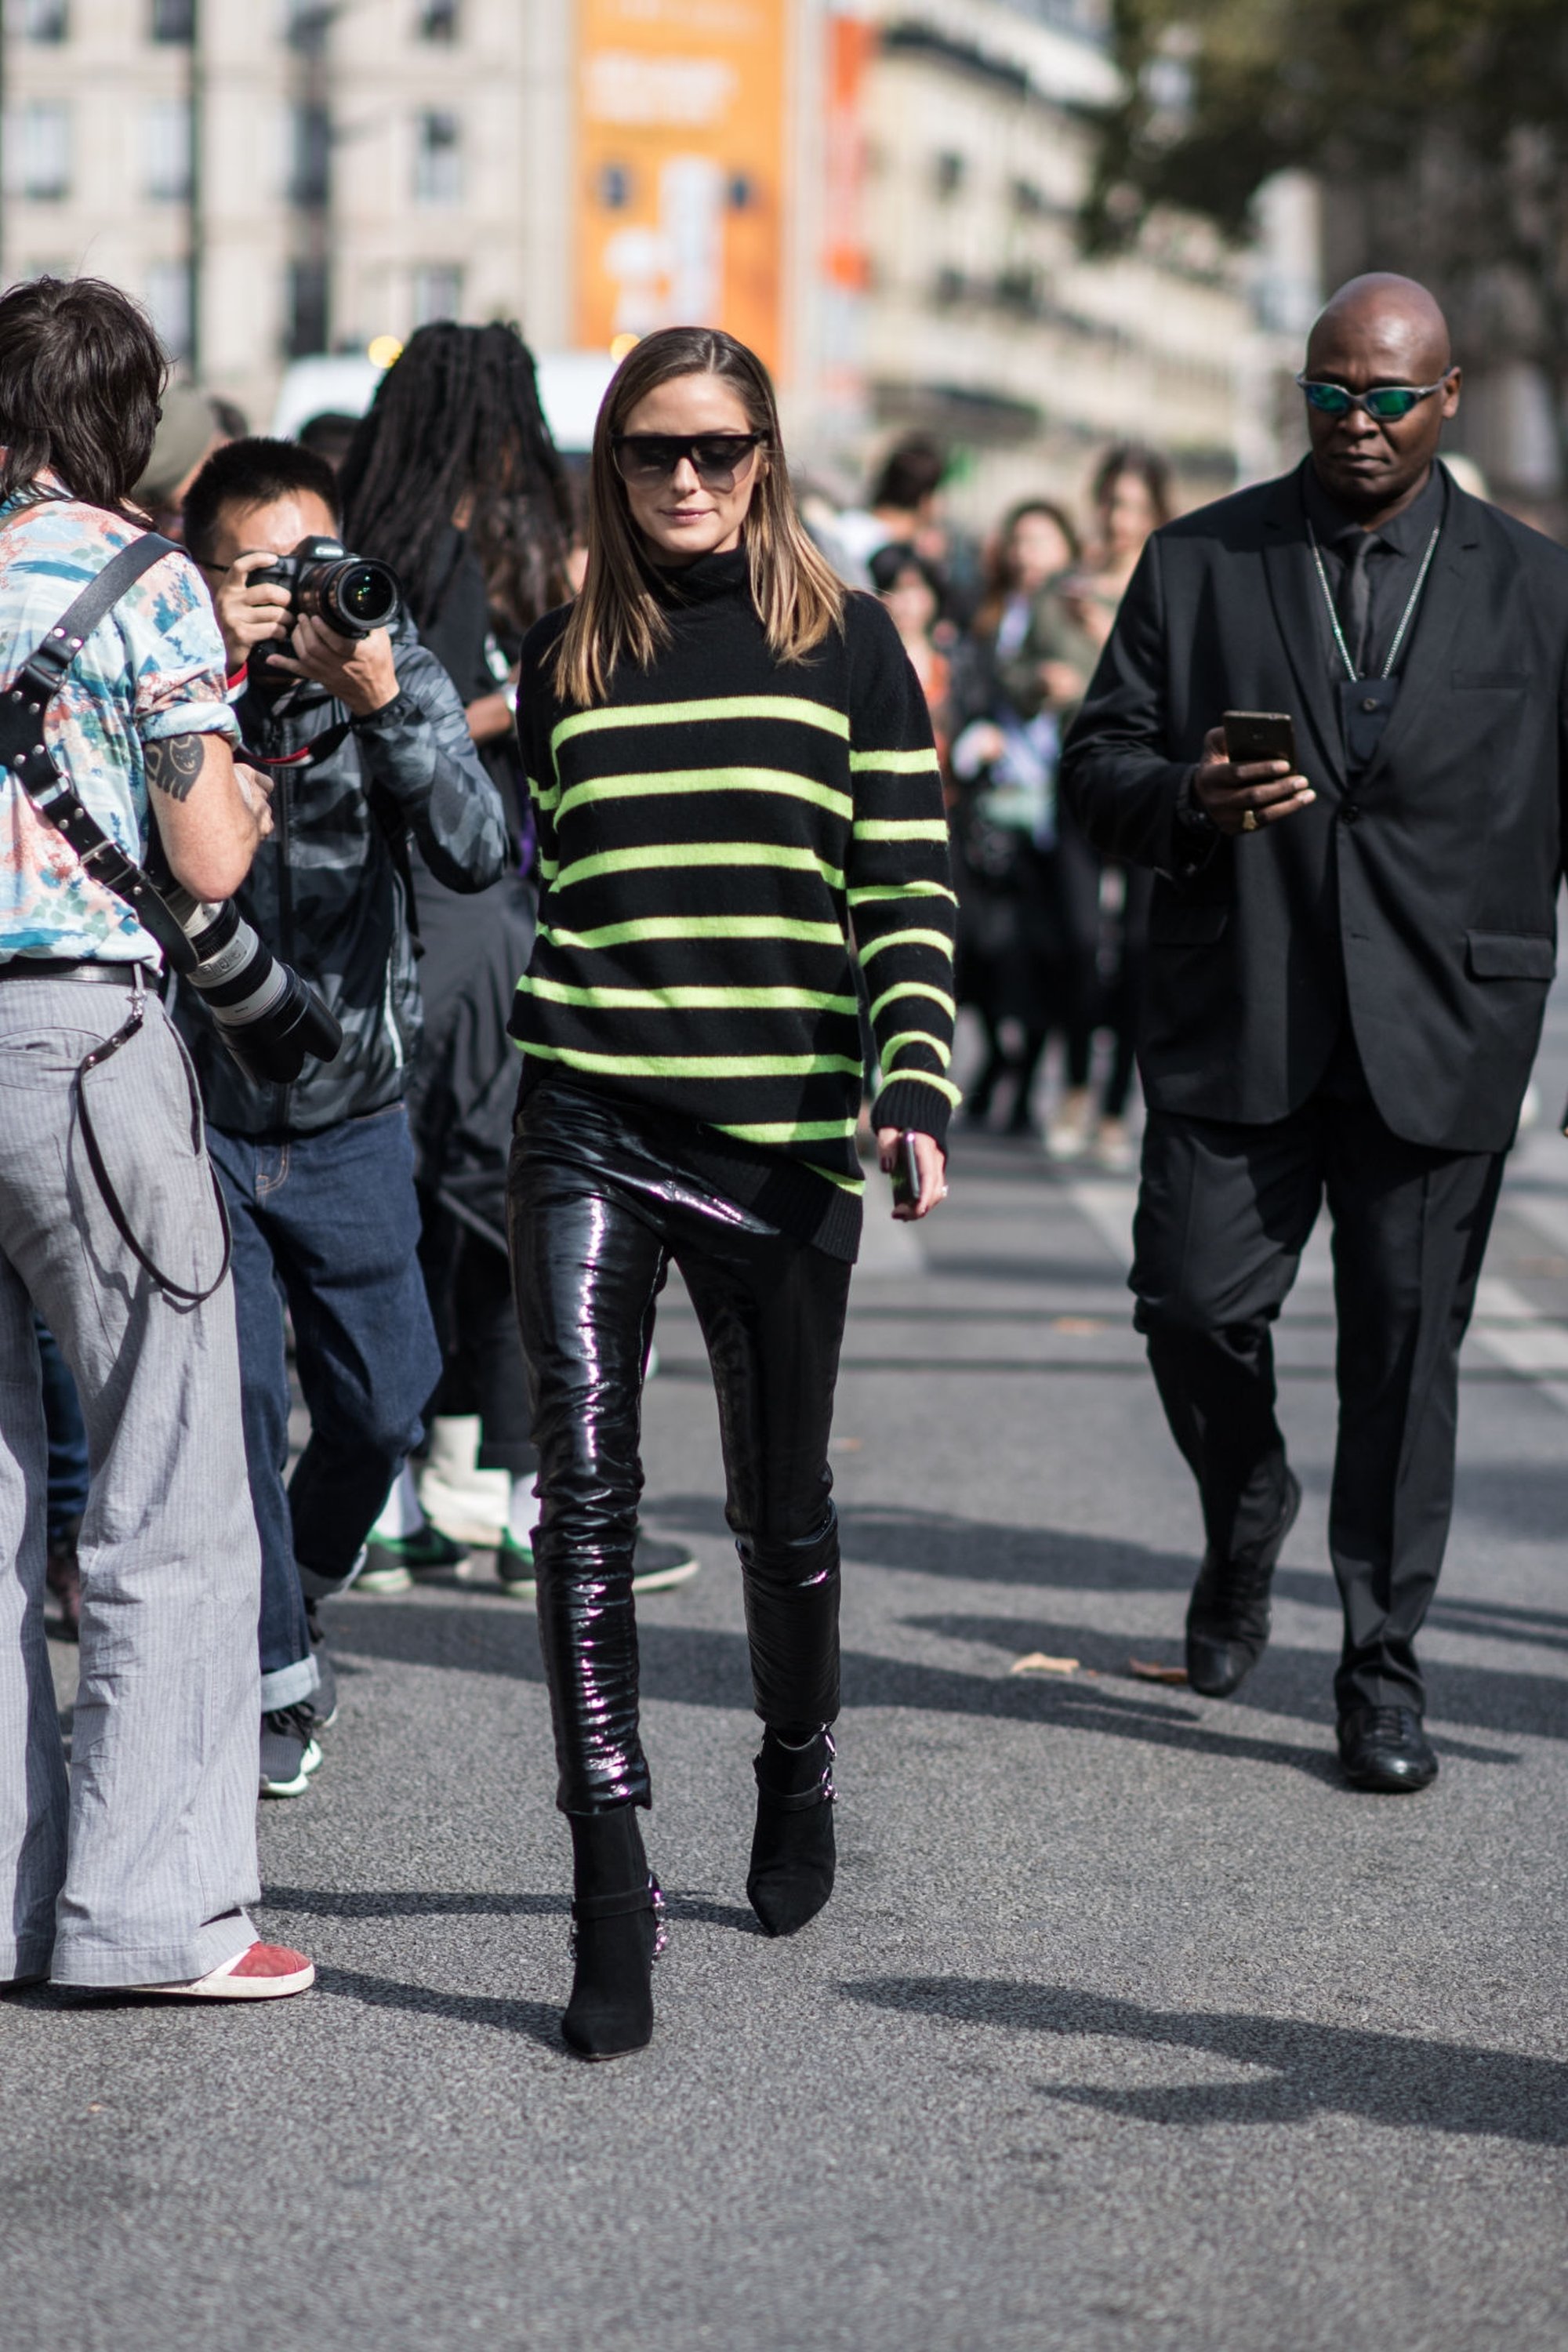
<point x="307" y="25"/>
<point x="38" y="143"/>
<point x="169" y="299"/>
<point x="437" y="158"/>
<point x="38" y="20"/>
<point x="437" y="291"/>
<point x="437" y="20"/>
<point x="308" y="309"/>
<point x="310" y="155"/>
<point x="173" y="20"/>
<point x="168" y="150"/>
<point x="949" y="172"/>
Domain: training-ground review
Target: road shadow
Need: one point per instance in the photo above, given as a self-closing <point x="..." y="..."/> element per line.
<point x="1390" y="2079"/>
<point x="985" y="1551"/>
<point x="531" y="2020"/>
<point x="1289" y="1681"/>
<point x="698" y="1666"/>
<point x="704" y="1666"/>
<point x="1545" y="1629"/>
<point x="1527" y="1501"/>
<point x="416" y="1902"/>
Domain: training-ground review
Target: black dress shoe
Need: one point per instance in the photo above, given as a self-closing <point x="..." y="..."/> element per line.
<point x="1385" y="1748"/>
<point x="1228" y="1616"/>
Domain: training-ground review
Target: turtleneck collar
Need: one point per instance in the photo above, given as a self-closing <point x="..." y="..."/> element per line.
<point x="701" y="581"/>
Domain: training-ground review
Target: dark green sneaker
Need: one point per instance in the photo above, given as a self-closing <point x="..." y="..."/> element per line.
<point x="392" y="1562"/>
<point x="656" y="1565"/>
<point x="514" y="1567"/>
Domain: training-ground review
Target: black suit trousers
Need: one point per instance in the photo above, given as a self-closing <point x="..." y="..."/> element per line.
<point x="1224" y="1214"/>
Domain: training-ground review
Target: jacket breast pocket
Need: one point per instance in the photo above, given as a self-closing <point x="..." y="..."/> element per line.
<point x="1186" y="927"/>
<point x="1509" y="955"/>
<point x="1465" y="679"/>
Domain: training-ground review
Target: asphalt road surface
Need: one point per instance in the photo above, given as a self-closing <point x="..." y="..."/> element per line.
<point x="1129" y="2030"/>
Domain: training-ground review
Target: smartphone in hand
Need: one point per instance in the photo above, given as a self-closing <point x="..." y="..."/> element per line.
<point x="906" y="1173"/>
<point x="1252" y="736"/>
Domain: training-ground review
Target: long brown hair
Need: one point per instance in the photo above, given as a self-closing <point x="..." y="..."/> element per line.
<point x="1000" y="579"/>
<point x="617" y="616"/>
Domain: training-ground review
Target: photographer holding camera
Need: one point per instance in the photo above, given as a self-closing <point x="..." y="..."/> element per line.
<point x="366" y="741"/>
<point x="118" y="744"/>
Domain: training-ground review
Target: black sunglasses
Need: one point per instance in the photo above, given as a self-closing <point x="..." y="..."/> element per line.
<point x="717" y="458"/>
<point x="1387" y="402"/>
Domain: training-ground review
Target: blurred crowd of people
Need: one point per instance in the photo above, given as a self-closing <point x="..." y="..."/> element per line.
<point x="1004" y="635"/>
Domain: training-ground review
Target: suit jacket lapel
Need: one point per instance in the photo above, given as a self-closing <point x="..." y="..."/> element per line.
<point x="1442" y="604"/>
<point x="1297" y="597"/>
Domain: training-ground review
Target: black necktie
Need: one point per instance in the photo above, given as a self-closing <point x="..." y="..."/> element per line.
<point x="1355" y="600"/>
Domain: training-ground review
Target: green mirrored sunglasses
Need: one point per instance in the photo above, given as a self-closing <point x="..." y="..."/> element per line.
<point x="1387" y="402"/>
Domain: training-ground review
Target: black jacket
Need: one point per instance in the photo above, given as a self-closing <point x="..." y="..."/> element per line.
<point x="326" y="893"/>
<point x="1415" y="901"/>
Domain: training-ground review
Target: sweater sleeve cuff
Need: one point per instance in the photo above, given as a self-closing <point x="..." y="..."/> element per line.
<point x="905" y="1103"/>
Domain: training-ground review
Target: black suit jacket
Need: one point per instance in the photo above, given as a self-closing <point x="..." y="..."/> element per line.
<point x="1418" y="902"/>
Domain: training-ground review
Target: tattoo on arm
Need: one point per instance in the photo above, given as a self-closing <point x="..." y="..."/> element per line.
<point x="174" y="763"/>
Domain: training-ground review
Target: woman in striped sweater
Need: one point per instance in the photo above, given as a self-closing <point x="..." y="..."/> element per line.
<point x="736" y="793"/>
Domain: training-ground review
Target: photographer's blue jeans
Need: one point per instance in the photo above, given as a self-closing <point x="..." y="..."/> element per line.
<point x="67" y="1437"/>
<point x="330" y="1225"/>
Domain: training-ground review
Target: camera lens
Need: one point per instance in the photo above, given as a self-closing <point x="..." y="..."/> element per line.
<point x="361" y="596"/>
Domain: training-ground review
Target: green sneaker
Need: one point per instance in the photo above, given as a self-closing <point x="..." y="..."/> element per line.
<point x="514" y="1567"/>
<point x="656" y="1565"/>
<point x="392" y="1562"/>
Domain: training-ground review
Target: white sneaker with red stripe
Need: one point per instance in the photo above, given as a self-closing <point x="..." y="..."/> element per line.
<point x="261" y="1972"/>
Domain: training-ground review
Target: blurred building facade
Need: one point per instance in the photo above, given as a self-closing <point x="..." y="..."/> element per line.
<point x="880" y="193"/>
<point x="274" y="177"/>
<point x="984" y="321"/>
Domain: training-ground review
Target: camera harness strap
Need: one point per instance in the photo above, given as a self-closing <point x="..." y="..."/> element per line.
<point x="31" y="765"/>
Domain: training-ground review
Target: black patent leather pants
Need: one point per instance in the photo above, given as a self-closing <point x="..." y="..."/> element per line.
<point x="596" y="1213"/>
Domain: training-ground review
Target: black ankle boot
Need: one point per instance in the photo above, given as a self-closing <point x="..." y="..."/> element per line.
<point x="792" y="1856"/>
<point x="617" y="1912"/>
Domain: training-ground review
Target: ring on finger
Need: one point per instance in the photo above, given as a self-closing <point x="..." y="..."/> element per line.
<point x="1249" y="821"/>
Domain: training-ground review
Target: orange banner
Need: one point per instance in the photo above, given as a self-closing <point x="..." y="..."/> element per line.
<point x="680" y="147"/>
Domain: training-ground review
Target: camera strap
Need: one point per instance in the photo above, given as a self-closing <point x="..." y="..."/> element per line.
<point x="182" y="1291"/>
<point x="31" y="764"/>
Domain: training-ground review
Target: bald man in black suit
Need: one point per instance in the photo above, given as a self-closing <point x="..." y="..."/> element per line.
<point x="1349" y="957"/>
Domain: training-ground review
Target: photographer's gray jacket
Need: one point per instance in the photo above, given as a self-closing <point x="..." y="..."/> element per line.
<point x="326" y="892"/>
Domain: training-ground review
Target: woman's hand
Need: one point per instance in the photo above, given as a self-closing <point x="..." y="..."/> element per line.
<point x="932" y="1169"/>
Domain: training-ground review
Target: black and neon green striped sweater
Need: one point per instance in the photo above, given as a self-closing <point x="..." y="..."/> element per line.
<point x="717" y="839"/>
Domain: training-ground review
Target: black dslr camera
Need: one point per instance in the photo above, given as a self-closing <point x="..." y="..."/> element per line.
<point x="351" y="593"/>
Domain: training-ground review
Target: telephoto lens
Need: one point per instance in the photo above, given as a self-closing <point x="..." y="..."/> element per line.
<point x="268" y="1018"/>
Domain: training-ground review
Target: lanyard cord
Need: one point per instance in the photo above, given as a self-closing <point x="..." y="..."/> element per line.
<point x="1405" y="618"/>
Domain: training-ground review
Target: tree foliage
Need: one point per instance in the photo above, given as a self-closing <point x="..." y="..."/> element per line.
<point x="1438" y="127"/>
